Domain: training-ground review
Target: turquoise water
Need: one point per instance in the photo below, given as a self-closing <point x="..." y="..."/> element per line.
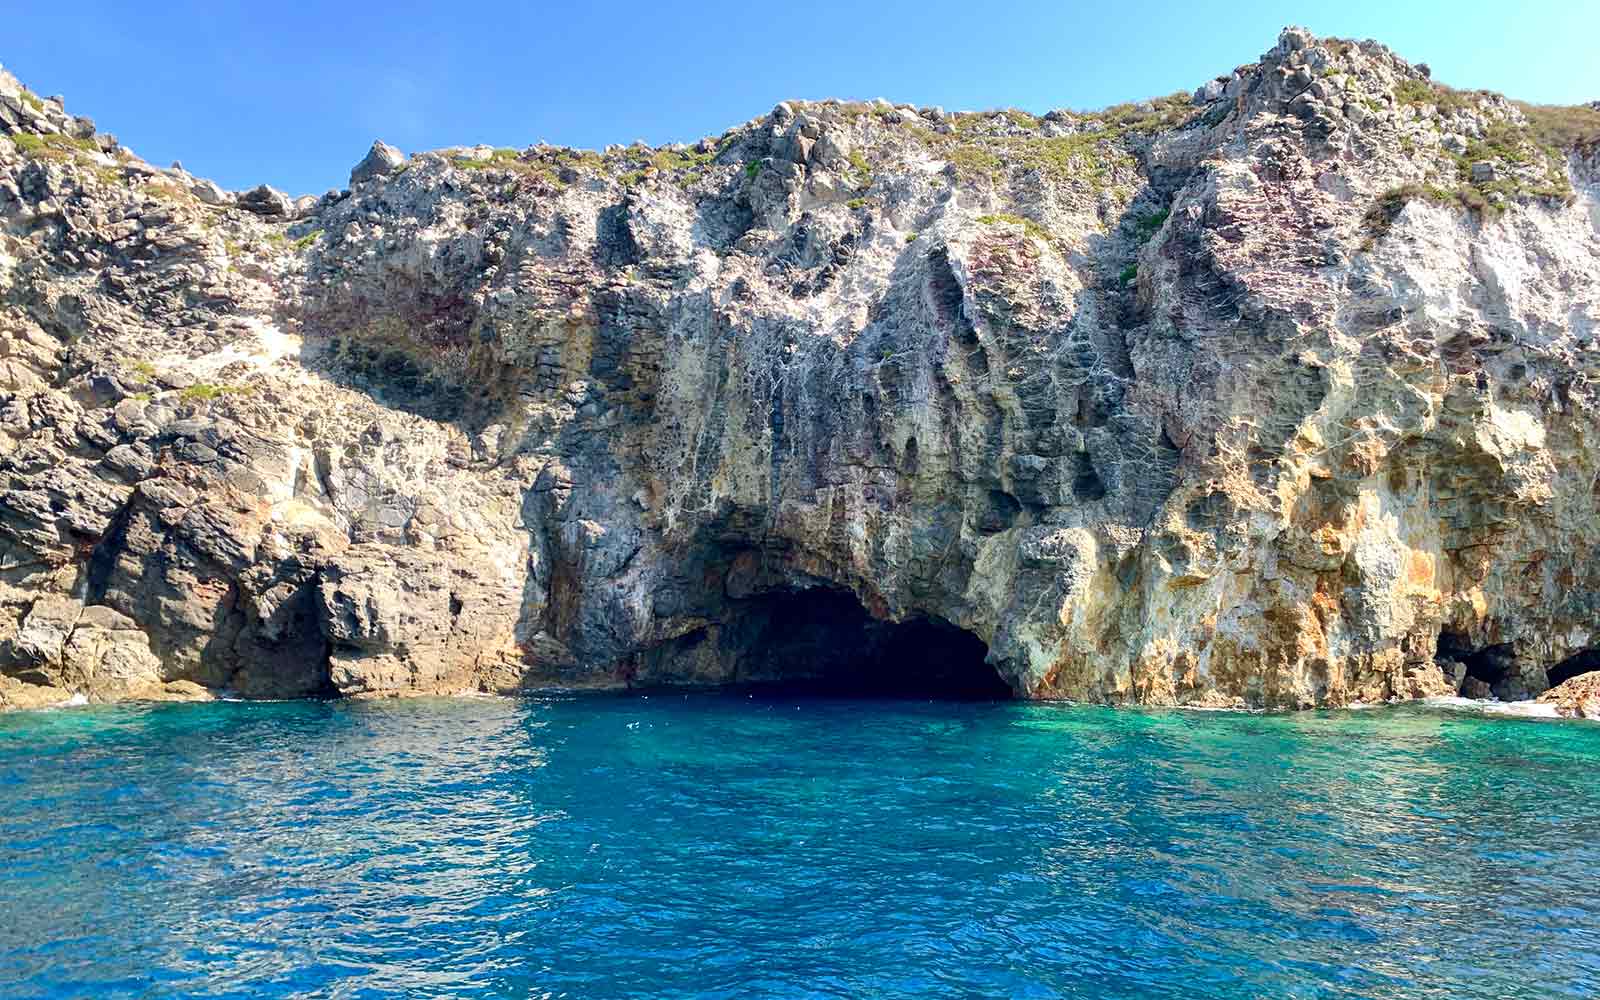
<point x="721" y="846"/>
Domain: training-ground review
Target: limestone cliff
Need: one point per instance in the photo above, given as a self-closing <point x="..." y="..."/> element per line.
<point x="1280" y="394"/>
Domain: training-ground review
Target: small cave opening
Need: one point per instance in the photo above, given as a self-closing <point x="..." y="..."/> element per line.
<point x="823" y="642"/>
<point x="1087" y="486"/>
<point x="1484" y="668"/>
<point x="1573" y="666"/>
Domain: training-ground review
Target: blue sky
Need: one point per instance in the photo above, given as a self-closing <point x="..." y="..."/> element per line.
<point x="292" y="93"/>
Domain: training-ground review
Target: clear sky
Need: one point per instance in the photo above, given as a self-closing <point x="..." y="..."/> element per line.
<point x="293" y="93"/>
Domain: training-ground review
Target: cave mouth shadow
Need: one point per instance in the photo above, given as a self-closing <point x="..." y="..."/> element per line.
<point x="1579" y="663"/>
<point x="822" y="642"/>
<point x="1488" y="664"/>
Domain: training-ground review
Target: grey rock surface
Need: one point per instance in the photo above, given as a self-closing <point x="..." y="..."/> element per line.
<point x="267" y="201"/>
<point x="1263" y="396"/>
<point x="380" y="161"/>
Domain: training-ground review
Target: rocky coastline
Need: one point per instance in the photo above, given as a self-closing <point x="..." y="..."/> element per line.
<point x="1280" y="394"/>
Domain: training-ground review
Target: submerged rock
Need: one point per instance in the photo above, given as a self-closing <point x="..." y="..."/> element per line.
<point x="1215" y="401"/>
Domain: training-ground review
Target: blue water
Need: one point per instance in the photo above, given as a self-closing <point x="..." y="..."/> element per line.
<point x="721" y="846"/>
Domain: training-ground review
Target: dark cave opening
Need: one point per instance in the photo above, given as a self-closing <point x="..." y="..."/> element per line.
<point x="1579" y="663"/>
<point x="1488" y="665"/>
<point x="823" y="642"/>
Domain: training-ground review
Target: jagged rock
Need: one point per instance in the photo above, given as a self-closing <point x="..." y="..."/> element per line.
<point x="1578" y="698"/>
<point x="210" y="192"/>
<point x="108" y="657"/>
<point x="39" y="642"/>
<point x="15" y="694"/>
<point x="1210" y="412"/>
<point x="10" y="86"/>
<point x="1210" y="91"/>
<point x="381" y="160"/>
<point x="267" y="201"/>
<point x="396" y="623"/>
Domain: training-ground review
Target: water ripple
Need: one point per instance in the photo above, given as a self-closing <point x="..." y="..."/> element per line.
<point x="732" y="847"/>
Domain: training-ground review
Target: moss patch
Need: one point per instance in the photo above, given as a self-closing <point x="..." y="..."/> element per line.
<point x="862" y="168"/>
<point x="1447" y="99"/>
<point x="1146" y="226"/>
<point x="205" y="392"/>
<point x="1030" y="227"/>
<point x="682" y="167"/>
<point x="973" y="161"/>
<point x="52" y="147"/>
<point x="506" y="158"/>
<point x="503" y="157"/>
<point x="1380" y="217"/>
<point x="1562" y="127"/>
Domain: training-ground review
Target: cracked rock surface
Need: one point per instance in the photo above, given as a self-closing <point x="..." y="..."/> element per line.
<point x="1282" y="394"/>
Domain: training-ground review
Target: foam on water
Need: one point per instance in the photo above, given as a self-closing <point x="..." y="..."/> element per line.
<point x="1523" y="709"/>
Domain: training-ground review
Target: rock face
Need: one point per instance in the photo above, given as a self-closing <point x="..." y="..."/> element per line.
<point x="1264" y="396"/>
<point x="1578" y="698"/>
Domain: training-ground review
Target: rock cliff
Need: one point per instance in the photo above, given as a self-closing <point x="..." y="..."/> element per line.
<point x="1278" y="394"/>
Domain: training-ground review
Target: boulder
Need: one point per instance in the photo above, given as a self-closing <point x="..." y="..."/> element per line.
<point x="1577" y="698"/>
<point x="1211" y="91"/>
<point x="381" y="160"/>
<point x="16" y="695"/>
<point x="210" y="192"/>
<point x="10" y="86"/>
<point x="832" y="149"/>
<point x="266" y="201"/>
<point x="1293" y="39"/>
<point x="108" y="658"/>
<point x="45" y="631"/>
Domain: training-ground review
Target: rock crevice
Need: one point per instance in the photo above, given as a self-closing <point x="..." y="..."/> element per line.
<point x="1268" y="396"/>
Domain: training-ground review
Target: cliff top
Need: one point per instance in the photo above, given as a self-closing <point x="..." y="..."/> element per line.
<point x="1366" y="74"/>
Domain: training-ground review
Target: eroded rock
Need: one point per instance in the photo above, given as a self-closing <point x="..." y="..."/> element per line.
<point x="1210" y="402"/>
<point x="1578" y="698"/>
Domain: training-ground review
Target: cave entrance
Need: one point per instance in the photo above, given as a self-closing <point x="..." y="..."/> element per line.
<point x="1486" y="668"/>
<point x="1574" y="665"/>
<point x="823" y="642"/>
